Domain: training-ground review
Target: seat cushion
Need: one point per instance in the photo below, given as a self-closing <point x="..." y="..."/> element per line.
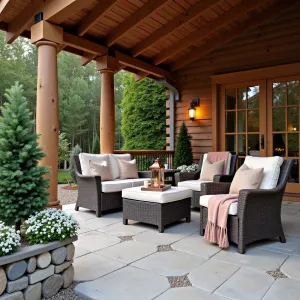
<point x="118" y="185"/>
<point x="271" y="167"/>
<point x="85" y="158"/>
<point x="171" y="195"/>
<point x="194" y="185"/>
<point x="114" y="165"/>
<point x="227" y="166"/>
<point x="232" y="208"/>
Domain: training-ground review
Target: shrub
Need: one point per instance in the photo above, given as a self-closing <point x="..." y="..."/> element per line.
<point x="23" y="188"/>
<point x="96" y="145"/>
<point x="9" y="240"/>
<point x="50" y="225"/>
<point x="183" y="151"/>
<point x="75" y="151"/>
<point x="188" y="169"/>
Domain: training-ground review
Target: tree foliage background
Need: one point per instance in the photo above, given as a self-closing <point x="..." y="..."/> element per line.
<point x="79" y="98"/>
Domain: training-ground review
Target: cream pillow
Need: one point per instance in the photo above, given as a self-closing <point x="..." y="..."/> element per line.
<point x="246" y="178"/>
<point x="100" y="168"/>
<point x="128" y="169"/>
<point x="209" y="170"/>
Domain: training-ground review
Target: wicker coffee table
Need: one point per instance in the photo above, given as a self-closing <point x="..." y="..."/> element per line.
<point x="156" y="208"/>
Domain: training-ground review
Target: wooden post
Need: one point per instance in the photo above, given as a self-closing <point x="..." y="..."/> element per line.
<point x="107" y="65"/>
<point x="47" y="113"/>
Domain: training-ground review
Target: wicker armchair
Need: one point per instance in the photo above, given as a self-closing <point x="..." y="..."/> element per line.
<point x="90" y="193"/>
<point x="258" y="214"/>
<point x="179" y="177"/>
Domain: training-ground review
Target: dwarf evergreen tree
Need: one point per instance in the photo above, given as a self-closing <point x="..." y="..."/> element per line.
<point x="183" y="151"/>
<point x="96" y="145"/>
<point x="75" y="151"/>
<point x="23" y="188"/>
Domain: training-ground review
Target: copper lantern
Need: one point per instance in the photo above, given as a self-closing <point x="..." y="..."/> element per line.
<point x="157" y="175"/>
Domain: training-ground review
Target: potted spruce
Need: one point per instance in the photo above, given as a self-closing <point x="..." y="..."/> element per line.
<point x="42" y="264"/>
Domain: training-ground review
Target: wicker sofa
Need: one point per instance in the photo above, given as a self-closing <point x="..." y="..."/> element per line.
<point x="191" y="180"/>
<point x="98" y="195"/>
<point x="256" y="215"/>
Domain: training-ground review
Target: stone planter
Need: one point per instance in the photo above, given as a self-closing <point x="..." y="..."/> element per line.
<point x="37" y="271"/>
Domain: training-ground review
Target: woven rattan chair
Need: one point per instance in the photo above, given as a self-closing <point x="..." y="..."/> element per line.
<point x="258" y="212"/>
<point x="90" y="193"/>
<point x="184" y="176"/>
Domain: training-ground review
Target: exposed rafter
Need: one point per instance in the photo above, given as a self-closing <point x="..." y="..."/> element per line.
<point x="133" y="20"/>
<point x="237" y="11"/>
<point x="90" y="19"/>
<point x="23" y="20"/>
<point x="260" y="19"/>
<point x="188" y="15"/>
<point x="56" y="11"/>
<point x="5" y="7"/>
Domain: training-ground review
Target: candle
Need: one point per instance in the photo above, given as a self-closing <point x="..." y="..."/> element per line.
<point x="146" y="183"/>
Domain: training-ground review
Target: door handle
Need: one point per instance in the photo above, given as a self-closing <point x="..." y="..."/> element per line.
<point x="262" y="141"/>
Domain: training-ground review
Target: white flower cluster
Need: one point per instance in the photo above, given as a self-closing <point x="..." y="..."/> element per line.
<point x="50" y="225"/>
<point x="9" y="240"/>
<point x="189" y="169"/>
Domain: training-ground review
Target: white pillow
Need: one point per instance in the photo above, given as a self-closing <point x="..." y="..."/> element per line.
<point x="227" y="166"/>
<point x="114" y="164"/>
<point x="271" y="167"/>
<point x="85" y="158"/>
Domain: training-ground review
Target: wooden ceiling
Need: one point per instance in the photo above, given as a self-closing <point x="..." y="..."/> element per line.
<point x="151" y="38"/>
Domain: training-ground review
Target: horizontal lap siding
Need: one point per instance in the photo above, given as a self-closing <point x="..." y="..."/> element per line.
<point x="270" y="45"/>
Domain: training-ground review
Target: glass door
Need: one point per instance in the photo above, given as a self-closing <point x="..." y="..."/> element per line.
<point x="244" y="115"/>
<point x="284" y="124"/>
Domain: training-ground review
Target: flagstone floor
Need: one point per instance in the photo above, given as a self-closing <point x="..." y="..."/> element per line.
<point x="117" y="262"/>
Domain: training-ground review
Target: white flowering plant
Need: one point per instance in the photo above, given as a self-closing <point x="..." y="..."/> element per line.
<point x="9" y="240"/>
<point x="189" y="169"/>
<point x="50" y="225"/>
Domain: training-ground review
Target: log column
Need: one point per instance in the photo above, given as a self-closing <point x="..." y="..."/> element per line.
<point x="47" y="39"/>
<point x="107" y="66"/>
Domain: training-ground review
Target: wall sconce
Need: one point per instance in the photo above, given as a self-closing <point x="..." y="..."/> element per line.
<point x="192" y="109"/>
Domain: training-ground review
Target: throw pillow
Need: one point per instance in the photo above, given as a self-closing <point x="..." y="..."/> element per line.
<point x="209" y="169"/>
<point x="246" y="178"/>
<point x="128" y="169"/>
<point x="100" y="168"/>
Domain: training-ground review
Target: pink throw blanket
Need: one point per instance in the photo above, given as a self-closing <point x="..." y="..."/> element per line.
<point x="217" y="156"/>
<point x="216" y="228"/>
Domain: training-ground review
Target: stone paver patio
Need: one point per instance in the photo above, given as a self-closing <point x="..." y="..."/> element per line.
<point x="114" y="261"/>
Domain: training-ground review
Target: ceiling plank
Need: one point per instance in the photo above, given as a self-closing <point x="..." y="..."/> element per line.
<point x="5" y="7"/>
<point x="260" y="19"/>
<point x="80" y="43"/>
<point x="237" y="11"/>
<point x="22" y="21"/>
<point x="185" y="17"/>
<point x="89" y="20"/>
<point x="57" y="11"/>
<point x="133" y="20"/>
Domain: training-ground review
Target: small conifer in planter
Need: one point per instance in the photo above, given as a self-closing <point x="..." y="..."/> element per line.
<point x="183" y="151"/>
<point x="23" y="188"/>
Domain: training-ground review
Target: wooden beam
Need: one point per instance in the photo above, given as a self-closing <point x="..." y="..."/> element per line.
<point x="185" y="17"/>
<point x="84" y="44"/>
<point x="133" y="20"/>
<point x="204" y="31"/>
<point x="23" y="20"/>
<point x="87" y="46"/>
<point x="90" y="19"/>
<point x="141" y="65"/>
<point x="86" y="58"/>
<point x="255" y="21"/>
<point x="57" y="11"/>
<point x="5" y="7"/>
<point x="139" y="76"/>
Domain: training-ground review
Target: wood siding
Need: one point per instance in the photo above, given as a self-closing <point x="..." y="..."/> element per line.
<point x="270" y="45"/>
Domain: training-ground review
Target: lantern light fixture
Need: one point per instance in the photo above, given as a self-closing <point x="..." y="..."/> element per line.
<point x="192" y="110"/>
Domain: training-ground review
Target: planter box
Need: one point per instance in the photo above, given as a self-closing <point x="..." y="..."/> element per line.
<point x="37" y="271"/>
